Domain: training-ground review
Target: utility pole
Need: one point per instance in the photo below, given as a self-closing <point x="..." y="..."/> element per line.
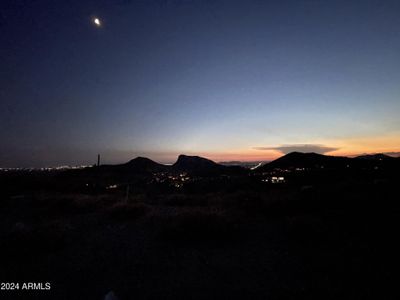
<point x="98" y="160"/>
<point x="127" y="194"/>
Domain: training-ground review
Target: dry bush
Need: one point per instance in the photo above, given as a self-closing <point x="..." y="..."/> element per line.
<point x="29" y="243"/>
<point x="272" y="203"/>
<point x="123" y="211"/>
<point x="181" y="200"/>
<point x="197" y="226"/>
<point x="74" y="204"/>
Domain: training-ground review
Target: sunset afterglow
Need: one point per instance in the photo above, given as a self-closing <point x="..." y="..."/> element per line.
<point x="164" y="81"/>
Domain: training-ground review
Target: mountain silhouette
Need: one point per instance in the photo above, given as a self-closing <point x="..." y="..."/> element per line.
<point x="186" y="162"/>
<point x="136" y="166"/>
<point x="317" y="161"/>
<point x="143" y="165"/>
<point x="306" y="160"/>
<point x="201" y="166"/>
<point x="196" y="165"/>
<point x="378" y="156"/>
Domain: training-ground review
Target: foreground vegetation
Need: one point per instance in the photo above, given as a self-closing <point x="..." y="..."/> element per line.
<point x="330" y="239"/>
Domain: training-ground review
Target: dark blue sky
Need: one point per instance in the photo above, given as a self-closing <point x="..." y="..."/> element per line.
<point x="223" y="79"/>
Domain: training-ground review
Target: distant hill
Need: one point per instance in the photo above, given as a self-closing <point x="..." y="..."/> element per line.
<point x="378" y="156"/>
<point x="194" y="165"/>
<point x="315" y="161"/>
<point x="136" y="166"/>
<point x="244" y="164"/>
<point x="201" y="166"/>
<point x="143" y="165"/>
<point x="232" y="163"/>
<point x="306" y="160"/>
<point x="187" y="163"/>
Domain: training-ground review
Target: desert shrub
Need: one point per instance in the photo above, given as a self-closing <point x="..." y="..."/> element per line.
<point x="123" y="211"/>
<point x="249" y="203"/>
<point x="196" y="226"/>
<point x="72" y="204"/>
<point x="185" y="200"/>
<point x="30" y="243"/>
<point x="306" y="229"/>
<point x="137" y="198"/>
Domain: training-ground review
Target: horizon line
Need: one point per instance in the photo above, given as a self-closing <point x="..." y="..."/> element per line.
<point x="394" y="154"/>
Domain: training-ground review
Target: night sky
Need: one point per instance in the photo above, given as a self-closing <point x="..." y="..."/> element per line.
<point x="229" y="80"/>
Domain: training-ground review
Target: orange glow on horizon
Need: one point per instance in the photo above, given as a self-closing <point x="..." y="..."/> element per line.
<point x="346" y="147"/>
